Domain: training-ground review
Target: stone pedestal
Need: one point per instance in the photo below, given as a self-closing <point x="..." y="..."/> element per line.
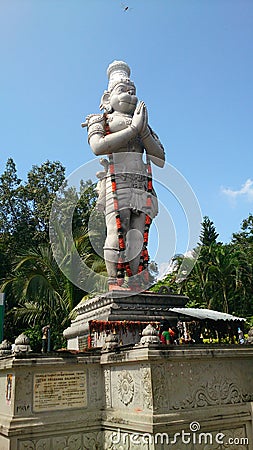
<point x="149" y="397"/>
<point x="50" y="402"/>
<point x="143" y="307"/>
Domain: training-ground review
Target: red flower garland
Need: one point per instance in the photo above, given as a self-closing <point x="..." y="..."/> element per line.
<point x="144" y="258"/>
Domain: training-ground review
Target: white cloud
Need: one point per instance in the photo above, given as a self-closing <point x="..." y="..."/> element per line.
<point x="246" y="191"/>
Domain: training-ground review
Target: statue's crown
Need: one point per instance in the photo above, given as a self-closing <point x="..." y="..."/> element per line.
<point x="118" y="71"/>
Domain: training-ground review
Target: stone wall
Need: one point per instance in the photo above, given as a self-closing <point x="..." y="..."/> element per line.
<point x="145" y="397"/>
<point x="159" y="391"/>
<point x="55" y="402"/>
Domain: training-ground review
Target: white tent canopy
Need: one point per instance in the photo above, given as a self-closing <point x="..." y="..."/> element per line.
<point x="209" y="314"/>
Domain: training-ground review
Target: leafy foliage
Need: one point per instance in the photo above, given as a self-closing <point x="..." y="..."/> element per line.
<point x="208" y="233"/>
<point x="222" y="277"/>
<point x="37" y="292"/>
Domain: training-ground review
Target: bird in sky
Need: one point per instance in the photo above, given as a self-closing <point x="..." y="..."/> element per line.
<point x="125" y="7"/>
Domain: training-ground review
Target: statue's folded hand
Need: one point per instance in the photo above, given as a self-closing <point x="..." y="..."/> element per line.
<point x="139" y="120"/>
<point x="145" y="129"/>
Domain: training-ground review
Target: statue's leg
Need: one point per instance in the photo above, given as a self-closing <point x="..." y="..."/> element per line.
<point x="134" y="242"/>
<point x="111" y="248"/>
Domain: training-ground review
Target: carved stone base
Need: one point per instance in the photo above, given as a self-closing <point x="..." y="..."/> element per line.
<point x="144" y="397"/>
<point x="147" y="397"/>
<point x="112" y="306"/>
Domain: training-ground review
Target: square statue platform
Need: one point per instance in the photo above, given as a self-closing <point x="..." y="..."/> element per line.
<point x="114" y="306"/>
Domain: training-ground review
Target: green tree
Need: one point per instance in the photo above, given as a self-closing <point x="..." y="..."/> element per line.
<point x="86" y="200"/>
<point x="213" y="281"/>
<point x="42" y="184"/>
<point x="12" y="207"/>
<point x="42" y="293"/>
<point x="25" y="207"/>
<point x="245" y="236"/>
<point x="198" y="286"/>
<point x="242" y="243"/>
<point x="36" y="290"/>
<point x="15" y="220"/>
<point x="208" y="235"/>
<point x="223" y="274"/>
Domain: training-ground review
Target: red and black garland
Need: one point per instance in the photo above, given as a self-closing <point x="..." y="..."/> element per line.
<point x="144" y="253"/>
<point x="116" y="326"/>
<point x="124" y="266"/>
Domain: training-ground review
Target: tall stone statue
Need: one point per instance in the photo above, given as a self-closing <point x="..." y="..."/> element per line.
<point x="126" y="194"/>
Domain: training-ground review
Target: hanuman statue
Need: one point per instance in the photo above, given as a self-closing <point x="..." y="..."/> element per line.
<point x="126" y="194"/>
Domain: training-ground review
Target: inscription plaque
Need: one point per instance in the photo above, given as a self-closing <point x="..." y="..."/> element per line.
<point x="59" y="390"/>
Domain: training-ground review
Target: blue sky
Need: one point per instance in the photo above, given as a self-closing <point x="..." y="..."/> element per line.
<point x="191" y="61"/>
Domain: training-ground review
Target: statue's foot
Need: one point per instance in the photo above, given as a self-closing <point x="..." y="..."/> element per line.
<point x="116" y="287"/>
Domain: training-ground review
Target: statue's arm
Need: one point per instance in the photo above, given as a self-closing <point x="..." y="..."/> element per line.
<point x="102" y="143"/>
<point x="153" y="147"/>
<point x="111" y="143"/>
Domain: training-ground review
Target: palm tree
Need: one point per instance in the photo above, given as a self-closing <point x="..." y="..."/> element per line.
<point x="43" y="294"/>
<point x="223" y="274"/>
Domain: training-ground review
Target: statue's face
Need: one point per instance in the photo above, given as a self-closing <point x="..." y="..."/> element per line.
<point x="123" y="98"/>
